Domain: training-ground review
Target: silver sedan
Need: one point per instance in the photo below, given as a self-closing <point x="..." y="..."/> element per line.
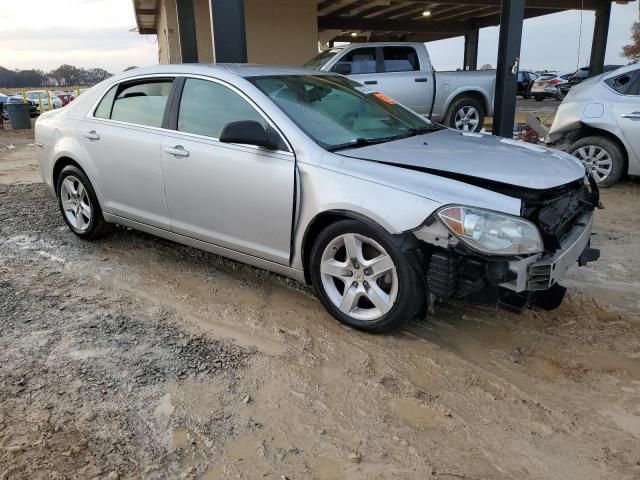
<point x="313" y="176"/>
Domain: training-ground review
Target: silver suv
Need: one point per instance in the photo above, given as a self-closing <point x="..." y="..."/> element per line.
<point x="599" y="123"/>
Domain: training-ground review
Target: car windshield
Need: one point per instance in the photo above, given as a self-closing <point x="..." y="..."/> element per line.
<point x="338" y="113"/>
<point x="320" y="60"/>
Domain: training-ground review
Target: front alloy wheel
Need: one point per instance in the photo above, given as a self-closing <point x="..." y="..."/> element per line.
<point x="364" y="278"/>
<point x="359" y="277"/>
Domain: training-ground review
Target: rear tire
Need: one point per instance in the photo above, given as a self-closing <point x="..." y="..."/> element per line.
<point x="79" y="205"/>
<point x="600" y="155"/>
<point x="466" y="114"/>
<point x="364" y="279"/>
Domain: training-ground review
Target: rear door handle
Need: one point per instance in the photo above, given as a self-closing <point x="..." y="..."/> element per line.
<point x="177" y="151"/>
<point x="370" y="82"/>
<point x="92" y="135"/>
<point x="421" y="80"/>
<point x="632" y="115"/>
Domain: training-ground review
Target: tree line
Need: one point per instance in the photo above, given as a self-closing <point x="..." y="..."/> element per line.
<point x="63" y="76"/>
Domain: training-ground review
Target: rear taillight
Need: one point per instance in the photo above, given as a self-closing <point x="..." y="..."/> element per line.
<point x="555" y="81"/>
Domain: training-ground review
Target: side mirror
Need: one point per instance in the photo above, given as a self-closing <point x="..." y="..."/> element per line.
<point x="342" y="68"/>
<point x="247" y="132"/>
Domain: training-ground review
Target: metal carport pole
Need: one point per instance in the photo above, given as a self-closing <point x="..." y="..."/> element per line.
<point x="471" y="40"/>
<point x="187" y="27"/>
<point x="229" y="31"/>
<point x="600" y="35"/>
<point x="511" y="21"/>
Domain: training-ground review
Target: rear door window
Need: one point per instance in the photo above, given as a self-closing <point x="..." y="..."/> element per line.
<point x="359" y="61"/>
<point x="140" y="103"/>
<point x="400" y="59"/>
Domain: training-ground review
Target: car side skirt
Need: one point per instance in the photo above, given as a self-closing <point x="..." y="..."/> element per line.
<point x="208" y="247"/>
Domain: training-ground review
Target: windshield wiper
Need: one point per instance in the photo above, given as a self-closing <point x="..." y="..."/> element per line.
<point x="361" y="142"/>
<point x="413" y="132"/>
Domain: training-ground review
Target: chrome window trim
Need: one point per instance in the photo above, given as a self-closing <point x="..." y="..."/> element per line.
<point x="91" y="113"/>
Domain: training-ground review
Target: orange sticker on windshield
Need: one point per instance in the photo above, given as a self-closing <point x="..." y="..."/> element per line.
<point x="384" y="98"/>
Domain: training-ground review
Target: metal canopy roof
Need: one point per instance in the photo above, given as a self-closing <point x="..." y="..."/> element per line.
<point x="146" y="15"/>
<point x="422" y="20"/>
<point x="380" y="20"/>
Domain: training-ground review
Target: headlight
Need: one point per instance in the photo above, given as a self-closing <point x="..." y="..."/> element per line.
<point x="491" y="232"/>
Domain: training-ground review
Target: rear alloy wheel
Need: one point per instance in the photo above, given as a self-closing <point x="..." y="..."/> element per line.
<point x="601" y="157"/>
<point x="76" y="204"/>
<point x="466" y="114"/>
<point x="79" y="204"/>
<point x="363" y="278"/>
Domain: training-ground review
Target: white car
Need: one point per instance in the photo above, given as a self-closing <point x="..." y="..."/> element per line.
<point x="599" y="123"/>
<point x="546" y="86"/>
<point x="33" y="96"/>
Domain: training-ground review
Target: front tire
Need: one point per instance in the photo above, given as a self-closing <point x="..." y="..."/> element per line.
<point x="602" y="157"/>
<point x="79" y="205"/>
<point x="466" y="114"/>
<point x="364" y="279"/>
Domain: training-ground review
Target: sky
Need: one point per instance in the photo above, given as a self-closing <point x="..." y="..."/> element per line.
<point x="96" y="33"/>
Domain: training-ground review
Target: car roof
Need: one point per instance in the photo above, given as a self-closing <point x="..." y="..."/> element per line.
<point x="619" y="71"/>
<point x="238" y="69"/>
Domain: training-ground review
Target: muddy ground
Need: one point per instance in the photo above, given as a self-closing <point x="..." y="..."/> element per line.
<point x="133" y="357"/>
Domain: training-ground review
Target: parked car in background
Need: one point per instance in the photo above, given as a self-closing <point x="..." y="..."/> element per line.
<point x="525" y="82"/>
<point x="579" y="76"/>
<point x="313" y="176"/>
<point x="546" y="86"/>
<point x="65" y="98"/>
<point x="41" y="95"/>
<point x="583" y="73"/>
<point x="599" y="123"/>
<point x="403" y="71"/>
<point x="3" y="100"/>
<point x="33" y="107"/>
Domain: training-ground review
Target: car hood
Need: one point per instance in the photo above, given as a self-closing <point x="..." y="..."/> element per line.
<point x="460" y="155"/>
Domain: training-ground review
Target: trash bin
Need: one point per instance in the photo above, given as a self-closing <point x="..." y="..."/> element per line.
<point x="19" y="115"/>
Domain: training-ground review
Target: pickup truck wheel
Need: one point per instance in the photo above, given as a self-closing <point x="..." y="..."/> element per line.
<point x="602" y="157"/>
<point x="466" y="114"/>
<point x="364" y="279"/>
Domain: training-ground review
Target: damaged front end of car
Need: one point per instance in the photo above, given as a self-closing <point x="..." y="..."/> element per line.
<point x="516" y="261"/>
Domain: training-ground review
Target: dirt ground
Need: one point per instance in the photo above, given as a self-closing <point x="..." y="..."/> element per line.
<point x="133" y="357"/>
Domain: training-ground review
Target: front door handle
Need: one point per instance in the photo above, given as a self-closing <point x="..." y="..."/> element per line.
<point x="177" y="151"/>
<point x="632" y="115"/>
<point x="422" y="80"/>
<point x="370" y="82"/>
<point x="92" y="135"/>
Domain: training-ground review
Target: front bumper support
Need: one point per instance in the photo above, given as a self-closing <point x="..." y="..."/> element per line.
<point x="541" y="273"/>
